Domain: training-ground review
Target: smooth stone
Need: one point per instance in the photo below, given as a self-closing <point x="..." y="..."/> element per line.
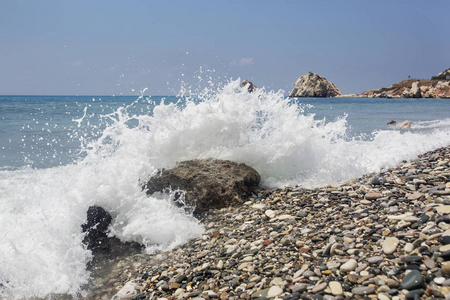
<point x="446" y="269"/>
<point x="299" y="287"/>
<point x="442" y="210"/>
<point x="413" y="280"/>
<point x="444" y="248"/>
<point x="270" y="213"/>
<point x="382" y="296"/>
<point x="390" y="245"/>
<point x="363" y="290"/>
<point x="220" y="265"/>
<point x="413" y="259"/>
<point x="414" y="196"/>
<point x="319" y="287"/>
<point x="439" y="280"/>
<point x="412" y="294"/>
<point x="409" y="247"/>
<point x="336" y="288"/>
<point x="174" y="286"/>
<point x="445" y="255"/>
<point x="178" y="292"/>
<point x="411" y="219"/>
<point x="393" y="209"/>
<point x="375" y="259"/>
<point x="429" y="263"/>
<point x="274" y="291"/>
<point x="444" y="290"/>
<point x="180" y="278"/>
<point x="373" y="196"/>
<point x="349" y="265"/>
<point x="260" y="293"/>
<point x="400" y="217"/>
<point x="445" y="240"/>
<point x="258" y="206"/>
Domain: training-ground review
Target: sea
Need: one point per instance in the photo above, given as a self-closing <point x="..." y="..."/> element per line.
<point x="61" y="154"/>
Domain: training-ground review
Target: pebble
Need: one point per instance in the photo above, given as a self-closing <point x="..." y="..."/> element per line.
<point x="349" y="265"/>
<point x="390" y="245"/>
<point x="336" y="288"/>
<point x="274" y="291"/>
<point x="363" y="290"/>
<point x="413" y="280"/>
<point x="373" y="196"/>
<point x="319" y="287"/>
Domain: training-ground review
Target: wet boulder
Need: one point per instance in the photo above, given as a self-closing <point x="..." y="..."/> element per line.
<point x="96" y="228"/>
<point x="97" y="237"/>
<point x="207" y="184"/>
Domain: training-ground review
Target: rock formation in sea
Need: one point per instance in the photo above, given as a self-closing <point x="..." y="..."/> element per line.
<point x="313" y="85"/>
<point x="206" y="184"/>
<point x="437" y="87"/>
<point x="251" y="87"/>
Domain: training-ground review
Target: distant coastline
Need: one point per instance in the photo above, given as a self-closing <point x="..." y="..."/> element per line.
<point x="314" y="85"/>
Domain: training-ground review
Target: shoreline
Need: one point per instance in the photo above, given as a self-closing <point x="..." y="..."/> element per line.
<point x="381" y="236"/>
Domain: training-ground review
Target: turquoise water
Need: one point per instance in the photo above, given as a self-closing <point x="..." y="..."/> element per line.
<point x="61" y="154"/>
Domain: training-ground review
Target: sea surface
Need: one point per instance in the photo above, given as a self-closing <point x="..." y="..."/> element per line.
<point x="61" y="154"/>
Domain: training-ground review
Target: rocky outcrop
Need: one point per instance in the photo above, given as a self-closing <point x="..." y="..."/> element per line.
<point x="442" y="76"/>
<point x="251" y="87"/>
<point x="404" y="125"/>
<point x="437" y="87"/>
<point x="313" y="85"/>
<point x="413" y="89"/>
<point x="207" y="184"/>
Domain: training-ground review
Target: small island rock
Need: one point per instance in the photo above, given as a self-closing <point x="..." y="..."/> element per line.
<point x="251" y="87"/>
<point x="313" y="85"/>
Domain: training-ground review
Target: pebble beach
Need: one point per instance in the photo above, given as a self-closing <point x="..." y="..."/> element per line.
<point x="382" y="236"/>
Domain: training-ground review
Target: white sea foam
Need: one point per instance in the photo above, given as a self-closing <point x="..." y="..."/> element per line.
<point x="41" y="210"/>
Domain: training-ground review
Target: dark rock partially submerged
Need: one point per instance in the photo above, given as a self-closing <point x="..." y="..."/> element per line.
<point x="96" y="238"/>
<point x="96" y="228"/>
<point x="207" y="184"/>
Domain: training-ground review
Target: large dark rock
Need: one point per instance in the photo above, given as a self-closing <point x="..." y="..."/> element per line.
<point x="96" y="237"/>
<point x="96" y="228"/>
<point x="207" y="184"/>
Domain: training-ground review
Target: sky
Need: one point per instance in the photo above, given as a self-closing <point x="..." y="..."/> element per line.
<point x="110" y="47"/>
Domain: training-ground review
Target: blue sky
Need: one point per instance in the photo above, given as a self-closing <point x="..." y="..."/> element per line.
<point x="88" y="47"/>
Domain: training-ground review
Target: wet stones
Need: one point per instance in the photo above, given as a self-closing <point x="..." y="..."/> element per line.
<point x="334" y="242"/>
